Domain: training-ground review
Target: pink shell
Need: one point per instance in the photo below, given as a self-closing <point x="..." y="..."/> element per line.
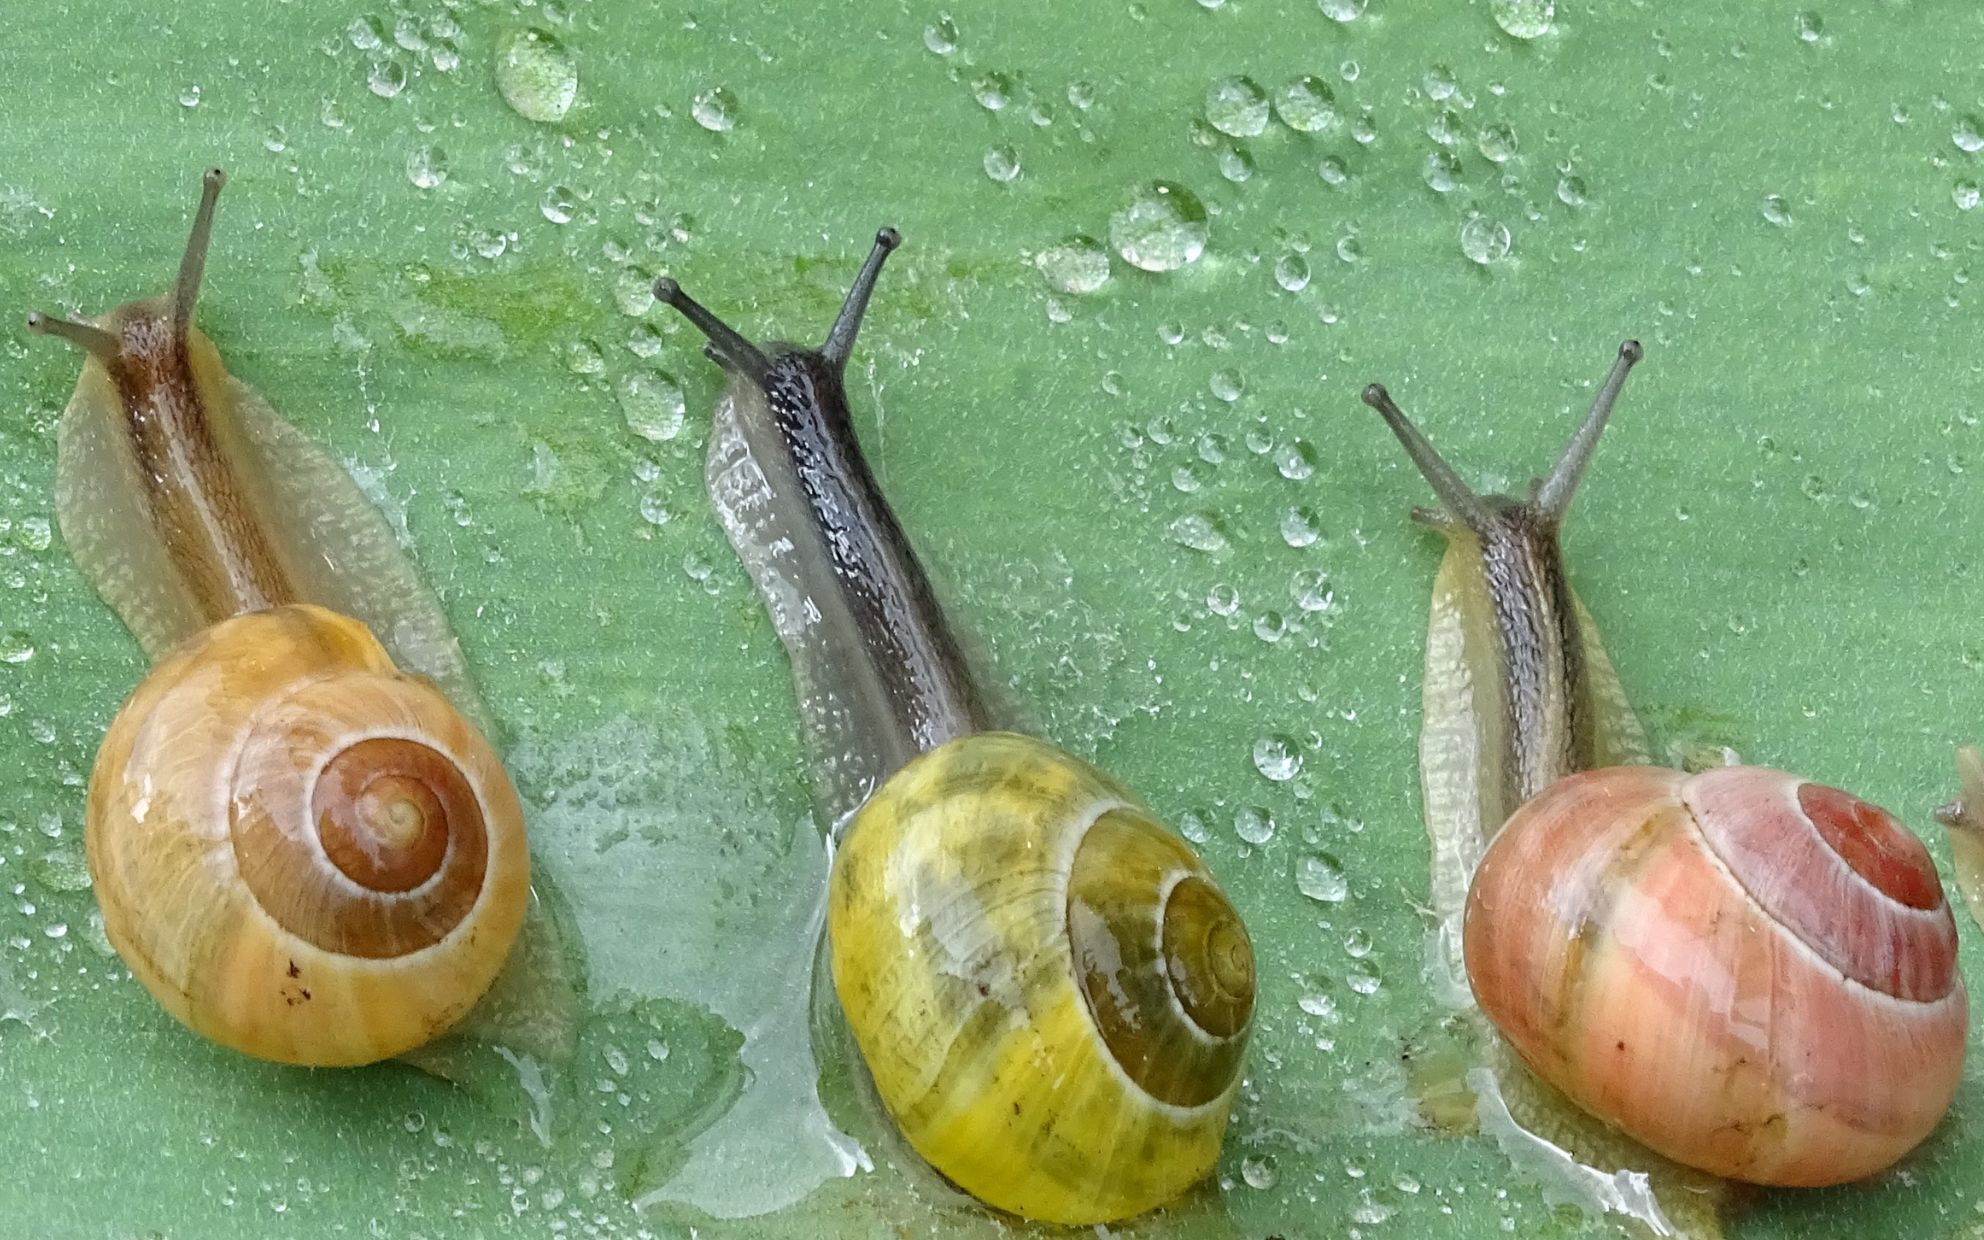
<point x="1750" y="973"/>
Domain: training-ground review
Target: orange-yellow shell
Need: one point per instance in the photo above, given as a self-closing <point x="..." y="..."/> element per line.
<point x="1753" y="974"/>
<point x="303" y="853"/>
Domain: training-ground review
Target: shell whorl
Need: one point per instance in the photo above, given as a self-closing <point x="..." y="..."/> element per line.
<point x="1751" y="973"/>
<point x="1001" y="914"/>
<point x="303" y="853"/>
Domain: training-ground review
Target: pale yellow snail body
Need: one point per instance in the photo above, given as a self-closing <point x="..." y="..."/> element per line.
<point x="1750" y="973"/>
<point x="302" y="851"/>
<point x="1050" y="992"/>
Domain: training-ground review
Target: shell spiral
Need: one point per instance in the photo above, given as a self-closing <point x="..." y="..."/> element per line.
<point x="1050" y="992"/>
<point x="303" y="853"/>
<point x="1753" y="974"/>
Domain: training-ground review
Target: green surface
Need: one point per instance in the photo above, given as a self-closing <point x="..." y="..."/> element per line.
<point x="1777" y="537"/>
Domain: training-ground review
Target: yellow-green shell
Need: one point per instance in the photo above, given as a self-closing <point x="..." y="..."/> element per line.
<point x="1051" y="993"/>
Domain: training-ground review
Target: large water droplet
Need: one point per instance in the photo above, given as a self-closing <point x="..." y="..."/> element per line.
<point x="1162" y="229"/>
<point x="1307" y="105"/>
<point x="535" y="75"/>
<point x="1237" y="107"/>
<point x="1078" y="265"/>
<point x="1484" y="239"/>
<point x="1320" y="877"/>
<point x="653" y="405"/>
<point x="1277" y="758"/>
<point x="1523" y="19"/>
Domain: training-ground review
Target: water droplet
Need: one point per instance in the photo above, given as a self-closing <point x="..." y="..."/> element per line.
<point x="1162" y="229"/>
<point x="1078" y="265"/>
<point x="1228" y="385"/>
<point x="1307" y="105"/>
<point x="1253" y="824"/>
<point x="16" y="647"/>
<point x="1259" y="1171"/>
<point x="535" y="75"/>
<point x="1320" y="876"/>
<point x="1342" y="10"/>
<point x="1571" y="191"/>
<point x="715" y="109"/>
<point x="1301" y="527"/>
<point x="1968" y="135"/>
<point x="365" y="33"/>
<point x="1363" y="978"/>
<point x="276" y="140"/>
<point x="1198" y="530"/>
<point x="1484" y="240"/>
<point x="1965" y="195"/>
<point x="993" y="91"/>
<point x="63" y="870"/>
<point x="1081" y="95"/>
<point x="1295" y="460"/>
<point x="1236" y="164"/>
<point x="190" y="97"/>
<point x="653" y="509"/>
<point x="1333" y="171"/>
<point x="1291" y="272"/>
<point x="1523" y="19"/>
<point x="558" y="204"/>
<point x="386" y="78"/>
<point x="427" y="167"/>
<point x="1497" y="143"/>
<point x="1439" y="83"/>
<point x="1776" y="210"/>
<point x="653" y="405"/>
<point x="1441" y="172"/>
<point x="1270" y="626"/>
<point x="1312" y="590"/>
<point x="941" y="36"/>
<point x="1002" y="163"/>
<point x="1237" y="107"/>
<point x="1277" y="758"/>
<point x="1810" y="27"/>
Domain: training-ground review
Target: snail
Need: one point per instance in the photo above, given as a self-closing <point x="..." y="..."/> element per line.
<point x="1746" y="971"/>
<point x="1050" y="992"/>
<point x="1961" y="819"/>
<point x="303" y="852"/>
<point x="1752" y="974"/>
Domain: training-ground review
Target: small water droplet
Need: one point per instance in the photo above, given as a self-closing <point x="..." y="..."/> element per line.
<point x="715" y="109"/>
<point x="1776" y="210"/>
<point x="1312" y="590"/>
<point x="1295" y="460"/>
<point x="1291" y="272"/>
<point x="1253" y="824"/>
<point x="994" y="91"/>
<point x="1484" y="240"/>
<point x="1258" y="1170"/>
<point x="535" y="75"/>
<point x="1968" y="135"/>
<point x="653" y="405"/>
<point x="558" y="204"/>
<point x="1237" y="107"/>
<point x="1571" y="191"/>
<point x="1301" y="526"/>
<point x="941" y="35"/>
<point x="1496" y="143"/>
<point x="1228" y="385"/>
<point x="1441" y="172"/>
<point x="1333" y="171"/>
<point x="1343" y="10"/>
<point x="427" y="167"/>
<point x="386" y="78"/>
<point x="1307" y="105"/>
<point x="1199" y="531"/>
<point x="1523" y="19"/>
<point x="366" y="33"/>
<point x="1277" y="758"/>
<point x="1320" y="876"/>
<point x="1002" y="163"/>
<point x="1162" y="229"/>
<point x="1078" y="265"/>
<point x="16" y="646"/>
<point x="1810" y="27"/>
<point x="276" y="140"/>
<point x="190" y="97"/>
